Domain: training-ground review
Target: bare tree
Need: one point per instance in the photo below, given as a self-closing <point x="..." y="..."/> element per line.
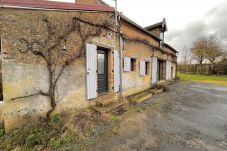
<point x="214" y="52"/>
<point x="53" y="52"/>
<point x="198" y="50"/>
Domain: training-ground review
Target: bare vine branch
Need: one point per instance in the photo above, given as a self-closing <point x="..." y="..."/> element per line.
<point x="31" y="95"/>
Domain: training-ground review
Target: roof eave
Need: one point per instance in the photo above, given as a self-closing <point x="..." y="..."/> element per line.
<point x="167" y="45"/>
<point x="53" y="5"/>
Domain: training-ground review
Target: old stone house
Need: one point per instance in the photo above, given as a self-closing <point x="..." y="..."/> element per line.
<point x="114" y="65"/>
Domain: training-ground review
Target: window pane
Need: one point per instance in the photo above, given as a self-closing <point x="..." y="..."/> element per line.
<point x="101" y="66"/>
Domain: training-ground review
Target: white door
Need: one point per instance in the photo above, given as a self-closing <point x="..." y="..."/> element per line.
<point x="91" y="67"/>
<point x="168" y="70"/>
<point x="154" y="70"/>
<point x="116" y="71"/>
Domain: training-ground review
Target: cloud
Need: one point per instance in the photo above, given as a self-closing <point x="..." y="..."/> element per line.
<point x="212" y="23"/>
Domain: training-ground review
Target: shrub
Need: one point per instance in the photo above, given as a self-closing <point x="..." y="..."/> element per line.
<point x="54" y="143"/>
<point x="57" y="120"/>
<point x="2" y="130"/>
<point x="115" y="118"/>
<point x="35" y="138"/>
<point x="115" y="130"/>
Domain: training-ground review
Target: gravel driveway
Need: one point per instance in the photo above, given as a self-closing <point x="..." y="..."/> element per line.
<point x="191" y="117"/>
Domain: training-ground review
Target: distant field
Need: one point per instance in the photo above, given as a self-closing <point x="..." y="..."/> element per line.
<point x="213" y="79"/>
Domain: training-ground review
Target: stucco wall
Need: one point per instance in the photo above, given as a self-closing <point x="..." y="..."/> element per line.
<point x="25" y="74"/>
<point x="132" y="81"/>
<point x="156" y="31"/>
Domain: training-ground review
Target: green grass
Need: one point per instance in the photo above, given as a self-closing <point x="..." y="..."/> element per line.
<point x="213" y="79"/>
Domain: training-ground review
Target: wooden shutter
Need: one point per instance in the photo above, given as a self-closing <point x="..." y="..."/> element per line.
<point x="116" y="71"/>
<point x="154" y="70"/>
<point x="127" y="64"/>
<point x="142" y="68"/>
<point x="91" y="67"/>
<point x="168" y="70"/>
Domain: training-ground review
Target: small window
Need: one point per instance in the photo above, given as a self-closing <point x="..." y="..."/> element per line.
<point x="147" y="67"/>
<point x="133" y="64"/>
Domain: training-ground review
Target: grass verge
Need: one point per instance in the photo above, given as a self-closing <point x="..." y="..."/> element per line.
<point x="213" y="79"/>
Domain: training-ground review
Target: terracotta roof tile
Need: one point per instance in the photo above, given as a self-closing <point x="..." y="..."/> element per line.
<point x="54" y="5"/>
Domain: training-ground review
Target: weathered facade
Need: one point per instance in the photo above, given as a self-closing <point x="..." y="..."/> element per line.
<point x="135" y="59"/>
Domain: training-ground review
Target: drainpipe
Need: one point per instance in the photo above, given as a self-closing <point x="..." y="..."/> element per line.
<point x="116" y="13"/>
<point x="120" y="47"/>
<point x="121" y="66"/>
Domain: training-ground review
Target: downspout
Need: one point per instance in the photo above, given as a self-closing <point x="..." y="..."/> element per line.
<point x="117" y="20"/>
<point x="121" y="66"/>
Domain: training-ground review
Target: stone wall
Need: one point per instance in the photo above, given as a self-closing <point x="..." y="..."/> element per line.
<point x="132" y="81"/>
<point x="25" y="74"/>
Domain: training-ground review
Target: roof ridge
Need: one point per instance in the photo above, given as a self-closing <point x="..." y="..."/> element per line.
<point x="154" y="25"/>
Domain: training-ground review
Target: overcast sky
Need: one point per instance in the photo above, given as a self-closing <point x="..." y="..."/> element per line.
<point x="186" y="19"/>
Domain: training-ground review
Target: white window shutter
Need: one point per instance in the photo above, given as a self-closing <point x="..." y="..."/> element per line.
<point x="116" y="71"/>
<point x="142" y="68"/>
<point x="127" y="64"/>
<point x="91" y="67"/>
<point x="154" y="70"/>
<point x="168" y="70"/>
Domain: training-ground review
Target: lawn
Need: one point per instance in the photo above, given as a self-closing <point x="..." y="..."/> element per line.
<point x="213" y="79"/>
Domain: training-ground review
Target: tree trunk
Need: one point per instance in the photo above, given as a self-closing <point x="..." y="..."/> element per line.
<point x="53" y="106"/>
<point x="51" y="92"/>
<point x="201" y="66"/>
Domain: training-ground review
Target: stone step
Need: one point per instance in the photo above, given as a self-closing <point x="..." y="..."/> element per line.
<point x="106" y="99"/>
<point x="156" y="91"/>
<point x="106" y="96"/>
<point x="139" y="99"/>
<point x="105" y="102"/>
<point x="112" y="106"/>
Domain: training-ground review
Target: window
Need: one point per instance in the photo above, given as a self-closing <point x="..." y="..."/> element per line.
<point x="147" y="67"/>
<point x="101" y="65"/>
<point x="133" y="64"/>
